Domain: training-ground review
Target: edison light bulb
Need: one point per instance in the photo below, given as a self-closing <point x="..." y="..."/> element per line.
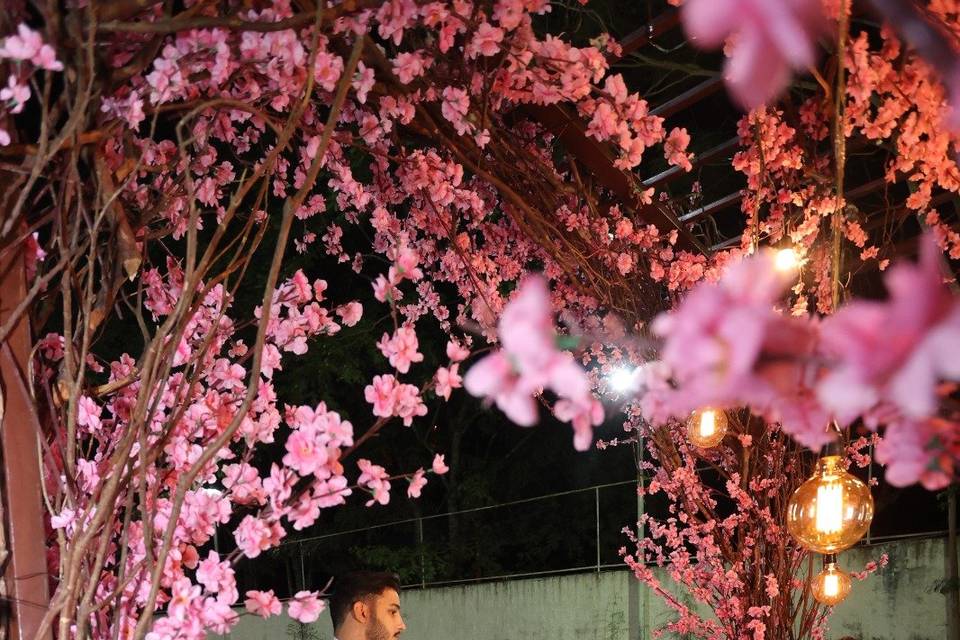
<point x="706" y="427"/>
<point x="831" y="511"/>
<point x="831" y="585"/>
<point x="786" y="260"/>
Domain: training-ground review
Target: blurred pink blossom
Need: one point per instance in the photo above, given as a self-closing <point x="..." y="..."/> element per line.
<point x="898" y="349"/>
<point x="769" y="41"/>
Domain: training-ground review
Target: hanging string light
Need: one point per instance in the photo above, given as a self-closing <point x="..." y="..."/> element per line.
<point x="707" y="427"/>
<point x="832" y="585"/>
<point x="832" y="510"/>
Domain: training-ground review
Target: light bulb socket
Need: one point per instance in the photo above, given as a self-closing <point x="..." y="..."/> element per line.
<point x="833" y="447"/>
<point x="829" y="558"/>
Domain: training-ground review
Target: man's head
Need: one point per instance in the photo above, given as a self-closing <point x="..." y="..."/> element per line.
<point x="365" y="605"/>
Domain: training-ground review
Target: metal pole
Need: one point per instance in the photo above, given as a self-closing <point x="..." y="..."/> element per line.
<point x="596" y="503"/>
<point x="303" y="571"/>
<point x="423" y="572"/>
<point x="641" y="533"/>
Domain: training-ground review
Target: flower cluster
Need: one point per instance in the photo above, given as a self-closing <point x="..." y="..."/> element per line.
<point x="530" y="362"/>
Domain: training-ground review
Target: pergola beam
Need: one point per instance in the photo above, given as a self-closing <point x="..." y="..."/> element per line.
<point x="598" y="159"/>
<point x="639" y="38"/>
<point x="707" y="156"/>
<point x="689" y="97"/>
<point x="25" y="566"/>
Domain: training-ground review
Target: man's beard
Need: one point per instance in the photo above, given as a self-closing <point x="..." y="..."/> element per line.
<point x="376" y="630"/>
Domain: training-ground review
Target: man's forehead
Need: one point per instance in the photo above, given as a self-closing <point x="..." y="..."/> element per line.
<point x="390" y="597"/>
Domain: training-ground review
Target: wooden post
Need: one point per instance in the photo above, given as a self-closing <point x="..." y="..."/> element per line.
<point x="25" y="586"/>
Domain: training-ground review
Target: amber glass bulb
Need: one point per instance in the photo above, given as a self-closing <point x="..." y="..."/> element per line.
<point x="706" y="427"/>
<point x="832" y="510"/>
<point x="831" y="585"/>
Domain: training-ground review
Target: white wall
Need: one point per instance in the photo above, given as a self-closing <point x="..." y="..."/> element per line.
<point x="898" y="603"/>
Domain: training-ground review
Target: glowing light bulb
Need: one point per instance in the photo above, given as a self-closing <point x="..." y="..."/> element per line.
<point x="708" y="424"/>
<point x="786" y="260"/>
<point x="831" y="511"/>
<point x="623" y="380"/>
<point x="829" y="518"/>
<point x="706" y="427"/>
<point x="832" y="585"/>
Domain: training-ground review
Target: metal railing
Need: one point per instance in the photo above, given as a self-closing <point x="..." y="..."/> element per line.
<point x="593" y="517"/>
<point x="581" y="531"/>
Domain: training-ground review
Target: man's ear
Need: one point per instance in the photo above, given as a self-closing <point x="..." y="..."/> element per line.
<point x="359" y="611"/>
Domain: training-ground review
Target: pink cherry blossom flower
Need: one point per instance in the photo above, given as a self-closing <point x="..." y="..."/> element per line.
<point x="305" y="606"/>
<point x="374" y="478"/>
<point x="15" y="93"/>
<point x="401" y="349"/>
<point x="417" y="482"/>
<point x="88" y="413"/>
<point x="508" y="13"/>
<point x="456" y="352"/>
<point x="913" y="451"/>
<point x="384" y="290"/>
<point x="243" y="484"/>
<point x="64" y="519"/>
<point x="363" y="81"/>
<point x="408" y="403"/>
<point x="23" y="46"/>
<point x="771" y="587"/>
<point x="494" y="377"/>
<point x="408" y="66"/>
<point x="439" y="466"/>
<point x="306" y="453"/>
<point x="182" y="594"/>
<point x="217" y="615"/>
<point x="454" y="108"/>
<point x="898" y="349"/>
<point x="262" y="603"/>
<point x="675" y="149"/>
<point x="485" y="42"/>
<point x="215" y="574"/>
<point x="46" y="58"/>
<point x="350" y="313"/>
<point x="406" y="262"/>
<point x="529" y="360"/>
<point x="254" y="536"/>
<point x="301" y="287"/>
<point x="381" y="394"/>
<point x="726" y="345"/>
<point x="447" y="379"/>
<point x="583" y="416"/>
<point x="395" y="16"/>
<point x="770" y="39"/>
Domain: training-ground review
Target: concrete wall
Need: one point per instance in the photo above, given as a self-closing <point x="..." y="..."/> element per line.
<point x="898" y="603"/>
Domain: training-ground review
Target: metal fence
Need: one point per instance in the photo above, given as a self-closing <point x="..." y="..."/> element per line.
<point x="564" y="532"/>
<point x="568" y="531"/>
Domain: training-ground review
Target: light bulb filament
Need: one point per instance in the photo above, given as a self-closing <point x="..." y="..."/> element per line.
<point x="831" y="585"/>
<point x="829" y="508"/>
<point x="708" y="423"/>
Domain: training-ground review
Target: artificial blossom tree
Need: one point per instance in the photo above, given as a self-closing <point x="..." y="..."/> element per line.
<point x="156" y="153"/>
